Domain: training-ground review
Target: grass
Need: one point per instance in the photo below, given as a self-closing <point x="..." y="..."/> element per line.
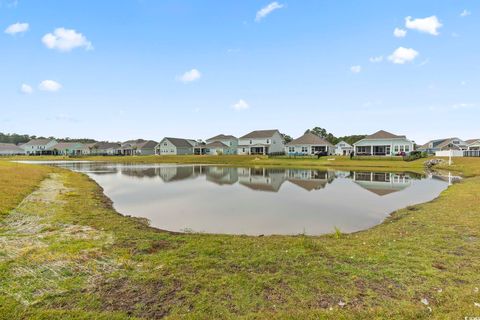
<point x="237" y="160"/>
<point x="65" y="253"/>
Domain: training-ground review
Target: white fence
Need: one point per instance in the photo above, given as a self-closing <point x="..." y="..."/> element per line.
<point x="448" y="153"/>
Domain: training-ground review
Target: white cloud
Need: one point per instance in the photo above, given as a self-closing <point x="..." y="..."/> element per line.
<point x="17" y="28"/>
<point x="66" y="40"/>
<point x="465" y="13"/>
<point x="402" y="55"/>
<point x="463" y="106"/>
<point x="376" y="59"/>
<point x="356" y="69"/>
<point x="189" y="76"/>
<point x="265" y="11"/>
<point x="399" y="33"/>
<point x="26" y="89"/>
<point x="49" y="85"/>
<point x="241" y="105"/>
<point x="426" y="25"/>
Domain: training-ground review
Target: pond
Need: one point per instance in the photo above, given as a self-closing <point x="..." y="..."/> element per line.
<point x="257" y="201"/>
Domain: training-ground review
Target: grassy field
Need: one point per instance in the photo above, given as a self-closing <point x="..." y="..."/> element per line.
<point x="65" y="253"/>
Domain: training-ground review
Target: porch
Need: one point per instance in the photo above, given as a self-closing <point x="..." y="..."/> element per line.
<point x="381" y="150"/>
<point x="200" y="150"/>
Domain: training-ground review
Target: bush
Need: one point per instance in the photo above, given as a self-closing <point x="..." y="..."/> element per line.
<point x="414" y="155"/>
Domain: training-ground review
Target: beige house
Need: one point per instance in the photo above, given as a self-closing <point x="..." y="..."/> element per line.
<point x="309" y="144"/>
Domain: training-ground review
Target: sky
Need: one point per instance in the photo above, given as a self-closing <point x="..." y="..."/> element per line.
<point x="127" y="69"/>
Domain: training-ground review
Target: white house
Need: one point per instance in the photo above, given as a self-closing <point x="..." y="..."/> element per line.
<point x="218" y="145"/>
<point x="343" y="149"/>
<point x="39" y="146"/>
<point x="309" y="144"/>
<point x="175" y="146"/>
<point x="10" y="149"/>
<point x="383" y="143"/>
<point x="261" y="142"/>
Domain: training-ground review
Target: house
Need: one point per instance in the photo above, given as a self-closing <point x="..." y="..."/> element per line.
<point x="175" y="146"/>
<point x="138" y="147"/>
<point x="87" y="148"/>
<point x="382" y="183"/>
<point x="343" y="149"/>
<point x="309" y="144"/>
<point x="106" y="149"/>
<point x="39" y="146"/>
<point x="68" y="148"/>
<point x="473" y="144"/>
<point x="383" y="143"/>
<point x="310" y="179"/>
<point x="10" y="149"/>
<point x="443" y="145"/>
<point x="261" y="142"/>
<point x="218" y="145"/>
<point x="262" y="179"/>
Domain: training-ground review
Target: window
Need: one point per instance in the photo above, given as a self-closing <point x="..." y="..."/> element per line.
<point x="251" y="141"/>
<point x="407" y="148"/>
<point x="396" y="148"/>
<point x="291" y="149"/>
<point x="243" y="149"/>
<point x="268" y="141"/>
<point x="305" y="149"/>
<point x="456" y="142"/>
<point x="402" y="148"/>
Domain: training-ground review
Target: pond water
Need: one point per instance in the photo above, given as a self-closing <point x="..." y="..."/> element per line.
<point x="255" y="201"/>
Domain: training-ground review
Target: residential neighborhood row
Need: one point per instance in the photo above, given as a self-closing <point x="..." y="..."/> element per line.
<point x="259" y="142"/>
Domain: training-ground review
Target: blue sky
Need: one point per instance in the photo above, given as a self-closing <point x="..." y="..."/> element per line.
<point x="148" y="69"/>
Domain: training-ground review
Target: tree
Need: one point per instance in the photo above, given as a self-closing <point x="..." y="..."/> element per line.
<point x="286" y="137"/>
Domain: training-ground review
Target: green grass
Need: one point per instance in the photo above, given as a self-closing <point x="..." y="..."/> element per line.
<point x="236" y="160"/>
<point x="87" y="261"/>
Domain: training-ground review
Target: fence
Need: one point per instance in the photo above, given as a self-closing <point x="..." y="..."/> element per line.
<point x="448" y="153"/>
<point x="472" y="153"/>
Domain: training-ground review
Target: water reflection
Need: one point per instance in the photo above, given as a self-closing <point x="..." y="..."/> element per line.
<point x="219" y="199"/>
<point x="257" y="178"/>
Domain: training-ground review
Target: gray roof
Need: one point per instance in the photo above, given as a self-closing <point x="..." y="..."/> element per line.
<point x="222" y="137"/>
<point x="38" y="142"/>
<point x="67" y="145"/>
<point x="106" y="145"/>
<point x="10" y="147"/>
<point x="139" y="144"/>
<point x="260" y="134"/>
<point x="441" y="143"/>
<point x="470" y="141"/>
<point x="180" y="142"/>
<point x="309" y="138"/>
<point x="216" y="144"/>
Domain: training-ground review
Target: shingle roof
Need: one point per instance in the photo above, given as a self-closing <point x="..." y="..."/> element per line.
<point x="150" y="144"/>
<point x="67" y="145"/>
<point x="216" y="144"/>
<point x="38" y="142"/>
<point x="106" y="145"/>
<point x="180" y="142"/>
<point x="309" y="138"/>
<point x="470" y="141"/>
<point x="10" y="147"/>
<point x="382" y="134"/>
<point x="222" y="137"/>
<point x="260" y="134"/>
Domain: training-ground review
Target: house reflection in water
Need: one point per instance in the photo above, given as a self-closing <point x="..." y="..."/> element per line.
<point x="256" y="178"/>
<point x="310" y="179"/>
<point x="382" y="183"/>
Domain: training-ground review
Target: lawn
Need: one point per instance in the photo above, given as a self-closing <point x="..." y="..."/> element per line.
<point x="66" y="253"/>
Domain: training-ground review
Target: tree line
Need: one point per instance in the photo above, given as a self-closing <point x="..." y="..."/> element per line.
<point x="24" y="138"/>
<point x="323" y="133"/>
